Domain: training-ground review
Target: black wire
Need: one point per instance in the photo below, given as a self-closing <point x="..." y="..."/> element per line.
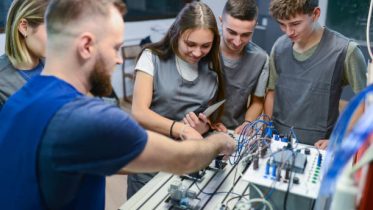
<point x="290" y="179"/>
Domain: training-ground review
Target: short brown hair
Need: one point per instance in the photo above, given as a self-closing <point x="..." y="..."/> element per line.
<point x="241" y="9"/>
<point x="286" y="9"/>
<point x="60" y="13"/>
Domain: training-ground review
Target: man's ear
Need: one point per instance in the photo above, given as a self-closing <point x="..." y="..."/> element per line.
<point x="86" y="45"/>
<point x="316" y="14"/>
<point x="221" y="19"/>
<point x="23" y="27"/>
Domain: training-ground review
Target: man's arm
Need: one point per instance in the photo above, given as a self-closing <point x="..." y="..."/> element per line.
<point x="255" y="108"/>
<point x="270" y="96"/>
<point x="253" y="112"/>
<point x="268" y="103"/>
<point x="163" y="154"/>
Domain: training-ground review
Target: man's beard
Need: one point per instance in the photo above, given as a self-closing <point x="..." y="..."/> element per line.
<point x="100" y="79"/>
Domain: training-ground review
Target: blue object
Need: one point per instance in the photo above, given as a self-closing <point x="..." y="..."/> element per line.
<point x="268" y="166"/>
<point x="319" y="159"/>
<point x="274" y="169"/>
<point x="284" y="139"/>
<point x="27" y="114"/>
<point x="340" y="152"/>
<point x="184" y="202"/>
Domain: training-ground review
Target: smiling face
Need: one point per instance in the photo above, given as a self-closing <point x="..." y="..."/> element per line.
<point x="300" y="27"/>
<point x="236" y="33"/>
<point x="194" y="44"/>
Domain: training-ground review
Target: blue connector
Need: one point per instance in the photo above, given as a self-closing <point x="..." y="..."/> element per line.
<point x="268" y="132"/>
<point x="268" y="166"/>
<point x="285" y="139"/>
<point x="184" y="202"/>
<point x="274" y="170"/>
<point x="319" y="160"/>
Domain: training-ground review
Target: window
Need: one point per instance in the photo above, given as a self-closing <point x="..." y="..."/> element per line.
<point x="4" y="5"/>
<point x="150" y="9"/>
<point x="137" y="9"/>
<point x="349" y="17"/>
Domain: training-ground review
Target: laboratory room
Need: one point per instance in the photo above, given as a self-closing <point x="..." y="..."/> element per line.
<point x="186" y="104"/>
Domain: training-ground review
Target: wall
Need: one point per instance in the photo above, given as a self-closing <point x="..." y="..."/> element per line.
<point x="2" y="43"/>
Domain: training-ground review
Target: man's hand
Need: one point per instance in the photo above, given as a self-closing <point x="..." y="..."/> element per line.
<point x="322" y="144"/>
<point x="239" y="129"/>
<point x="199" y="123"/>
<point x="228" y="144"/>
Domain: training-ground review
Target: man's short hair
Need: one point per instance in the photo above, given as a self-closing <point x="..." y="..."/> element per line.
<point x="286" y="9"/>
<point x="241" y="9"/>
<point x="60" y="13"/>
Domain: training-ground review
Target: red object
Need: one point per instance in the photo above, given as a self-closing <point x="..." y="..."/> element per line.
<point x="366" y="202"/>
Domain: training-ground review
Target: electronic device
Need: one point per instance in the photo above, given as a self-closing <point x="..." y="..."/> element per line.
<point x="267" y="169"/>
<point x="293" y="174"/>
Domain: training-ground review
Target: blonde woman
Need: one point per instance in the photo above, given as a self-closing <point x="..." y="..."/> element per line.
<point x="24" y="47"/>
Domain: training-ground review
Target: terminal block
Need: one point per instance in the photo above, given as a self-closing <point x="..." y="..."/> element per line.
<point x="286" y="157"/>
<point x="183" y="198"/>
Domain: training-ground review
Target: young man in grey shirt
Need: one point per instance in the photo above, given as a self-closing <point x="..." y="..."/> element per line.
<point x="245" y="65"/>
<point x="309" y="65"/>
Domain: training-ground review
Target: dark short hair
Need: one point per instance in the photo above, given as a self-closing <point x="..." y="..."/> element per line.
<point x="286" y="9"/>
<point x="241" y="9"/>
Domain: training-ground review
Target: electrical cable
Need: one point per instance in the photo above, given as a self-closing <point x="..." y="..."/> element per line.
<point x="288" y="188"/>
<point x="362" y="129"/>
<point x="261" y="200"/>
<point x="368" y="30"/>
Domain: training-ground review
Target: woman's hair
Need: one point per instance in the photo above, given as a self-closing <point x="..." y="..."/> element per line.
<point x="33" y="12"/>
<point x="195" y="15"/>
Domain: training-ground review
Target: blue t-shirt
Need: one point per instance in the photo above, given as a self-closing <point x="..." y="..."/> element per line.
<point x="85" y="137"/>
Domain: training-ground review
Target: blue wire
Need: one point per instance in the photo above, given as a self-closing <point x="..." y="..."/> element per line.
<point x="357" y="137"/>
<point x="340" y="152"/>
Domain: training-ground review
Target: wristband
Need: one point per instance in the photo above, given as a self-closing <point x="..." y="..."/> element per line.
<point x="172" y="126"/>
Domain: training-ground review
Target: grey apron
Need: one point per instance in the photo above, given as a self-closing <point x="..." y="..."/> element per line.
<point x="240" y="83"/>
<point x="173" y="97"/>
<point x="307" y="92"/>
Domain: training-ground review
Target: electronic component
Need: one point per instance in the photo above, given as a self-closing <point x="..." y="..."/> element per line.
<point x="195" y="176"/>
<point x="219" y="163"/>
<point x="286" y="167"/>
<point x="183" y="198"/>
<point x="222" y="188"/>
<point x="288" y="159"/>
